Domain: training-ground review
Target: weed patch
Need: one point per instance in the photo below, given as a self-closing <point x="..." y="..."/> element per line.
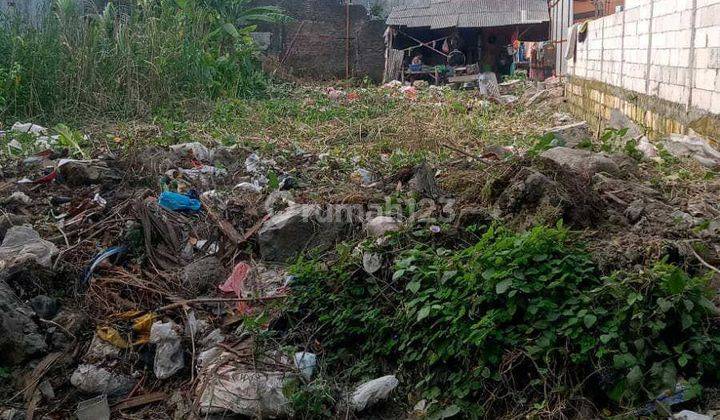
<point x="515" y="320"/>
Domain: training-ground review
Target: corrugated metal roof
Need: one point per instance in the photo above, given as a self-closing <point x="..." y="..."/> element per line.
<point x="437" y="14"/>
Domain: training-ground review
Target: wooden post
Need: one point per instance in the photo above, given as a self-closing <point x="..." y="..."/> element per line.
<point x="347" y="39"/>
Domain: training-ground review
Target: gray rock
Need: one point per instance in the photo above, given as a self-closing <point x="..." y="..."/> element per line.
<point x="8" y="220"/>
<point x="635" y="211"/>
<point x="44" y="306"/>
<point x="169" y="354"/>
<point x="300" y="228"/>
<point x="372" y="392"/>
<point x="582" y="161"/>
<point x="202" y="275"/>
<point x="423" y="182"/>
<point x="86" y="172"/>
<point x="381" y="225"/>
<point x="93" y="379"/>
<point x="572" y="134"/>
<point x="21" y="245"/>
<point x="20" y="337"/>
<point x="690" y="415"/>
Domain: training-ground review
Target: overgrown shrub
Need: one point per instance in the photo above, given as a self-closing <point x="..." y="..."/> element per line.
<point x="128" y="60"/>
<point x="513" y="324"/>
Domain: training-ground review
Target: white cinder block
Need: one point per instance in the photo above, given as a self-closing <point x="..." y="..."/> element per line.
<point x="702" y="99"/>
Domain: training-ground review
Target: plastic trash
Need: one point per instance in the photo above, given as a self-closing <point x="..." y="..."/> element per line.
<point x="29" y="128"/>
<point x="306" y="362"/>
<point x="179" y="202"/>
<point x="235" y="283"/>
<point x="196" y="150"/>
<point x="169" y="354"/>
<point x="116" y="251"/>
<point x="372" y="392"/>
<point x="93" y="379"/>
<point x="93" y="409"/>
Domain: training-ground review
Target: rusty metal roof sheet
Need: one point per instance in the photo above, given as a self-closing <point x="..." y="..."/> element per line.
<point x="437" y="14"/>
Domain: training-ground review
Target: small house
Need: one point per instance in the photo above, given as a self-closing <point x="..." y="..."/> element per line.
<point x="441" y="40"/>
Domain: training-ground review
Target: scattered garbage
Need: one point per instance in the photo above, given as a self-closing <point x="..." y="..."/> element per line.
<point x="226" y="387"/>
<point x="179" y="202"/>
<point x="94" y="409"/>
<point x="194" y="150"/>
<point x="22" y="244"/>
<point x="370" y="393"/>
<point x="29" y="128"/>
<point x="169" y="354"/>
<point x="93" y="379"/>
<point x="371" y="262"/>
<point x="116" y="251"/>
<point x="306" y="362"/>
<point x="234" y="283"/>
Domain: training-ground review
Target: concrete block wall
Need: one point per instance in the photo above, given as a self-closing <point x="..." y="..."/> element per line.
<point x="669" y="49"/>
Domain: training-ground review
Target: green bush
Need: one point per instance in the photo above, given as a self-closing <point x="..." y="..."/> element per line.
<point x="516" y="320"/>
<point x="127" y="61"/>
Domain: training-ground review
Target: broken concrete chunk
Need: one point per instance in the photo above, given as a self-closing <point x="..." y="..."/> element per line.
<point x="694" y="147"/>
<point x="582" y="161"/>
<point x="381" y="225"/>
<point x="86" y="172"/>
<point x="571" y="134"/>
<point x="423" y="182"/>
<point x="370" y="393"/>
<point x="22" y="244"/>
<point x="19" y="335"/>
<point x="169" y="354"/>
<point x="300" y="228"/>
<point x="93" y="379"/>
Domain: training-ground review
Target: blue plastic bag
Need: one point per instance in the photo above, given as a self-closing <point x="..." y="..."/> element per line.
<point x="179" y="202"/>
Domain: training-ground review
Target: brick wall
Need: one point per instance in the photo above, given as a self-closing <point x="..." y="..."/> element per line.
<point x="663" y="49"/>
<point x="313" y="43"/>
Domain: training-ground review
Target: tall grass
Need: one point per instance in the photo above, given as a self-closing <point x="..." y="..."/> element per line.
<point x="127" y="61"/>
